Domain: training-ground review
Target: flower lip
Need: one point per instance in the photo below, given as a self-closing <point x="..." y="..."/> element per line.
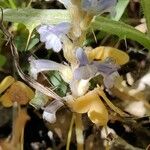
<point x="49" y="113"/>
<point x="81" y="56"/>
<point x="52" y="35"/>
<point x="86" y="69"/>
<point x="85" y="72"/>
<point x="105" y="67"/>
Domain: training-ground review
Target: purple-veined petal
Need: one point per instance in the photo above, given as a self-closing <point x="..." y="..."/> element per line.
<point x="108" y="70"/>
<point x="98" y="6"/>
<point x="105" y="68"/>
<point x="43" y="37"/>
<point x="110" y="80"/>
<point x="40" y="65"/>
<point x="52" y="35"/>
<point x="81" y="56"/>
<point x="85" y="72"/>
<point x="52" y="41"/>
<point x="49" y="113"/>
<point x="62" y="28"/>
<point x="43" y="29"/>
<point x="53" y="106"/>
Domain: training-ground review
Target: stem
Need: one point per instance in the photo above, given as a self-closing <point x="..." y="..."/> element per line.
<point x="28" y="40"/>
<point x="79" y="131"/>
<point x="22" y="140"/>
<point x="29" y="4"/>
<point x="107" y="144"/>
<point x="70" y="132"/>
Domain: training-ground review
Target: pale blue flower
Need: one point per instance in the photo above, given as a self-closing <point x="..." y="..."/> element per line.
<point x="49" y="113"/>
<point x="88" y="69"/>
<point x="40" y="65"/>
<point x="52" y="35"/>
<point x="98" y="6"/>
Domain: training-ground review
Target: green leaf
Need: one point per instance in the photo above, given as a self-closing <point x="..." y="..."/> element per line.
<point x="12" y="4"/>
<point x="31" y="18"/>
<point x="34" y="17"/>
<point x="146" y="9"/>
<point x="2" y="60"/>
<point x="120" y="29"/>
<point x="3" y="4"/>
<point x="120" y="8"/>
<point x="33" y="42"/>
<point x="59" y="84"/>
<point x="21" y="37"/>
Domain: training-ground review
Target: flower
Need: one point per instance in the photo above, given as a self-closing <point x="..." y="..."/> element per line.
<point x="49" y="113"/>
<point x="40" y="99"/>
<point x="98" y="6"/>
<point x="88" y="69"/>
<point x="52" y="35"/>
<point x="39" y="65"/>
<point x="93" y="6"/>
<point x="85" y="69"/>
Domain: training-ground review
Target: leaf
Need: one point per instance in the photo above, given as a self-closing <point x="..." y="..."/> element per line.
<point x="33" y="42"/>
<point x="31" y="18"/>
<point x="59" y="84"/>
<point x="21" y="36"/>
<point x="4" y="3"/>
<point x="146" y="8"/>
<point x="34" y="17"/>
<point x="12" y="4"/>
<point x="120" y="29"/>
<point x="120" y="8"/>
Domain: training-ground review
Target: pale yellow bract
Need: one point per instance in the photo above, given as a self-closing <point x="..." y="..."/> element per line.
<point x="103" y="52"/>
<point x="92" y="104"/>
<point x="16" y="91"/>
